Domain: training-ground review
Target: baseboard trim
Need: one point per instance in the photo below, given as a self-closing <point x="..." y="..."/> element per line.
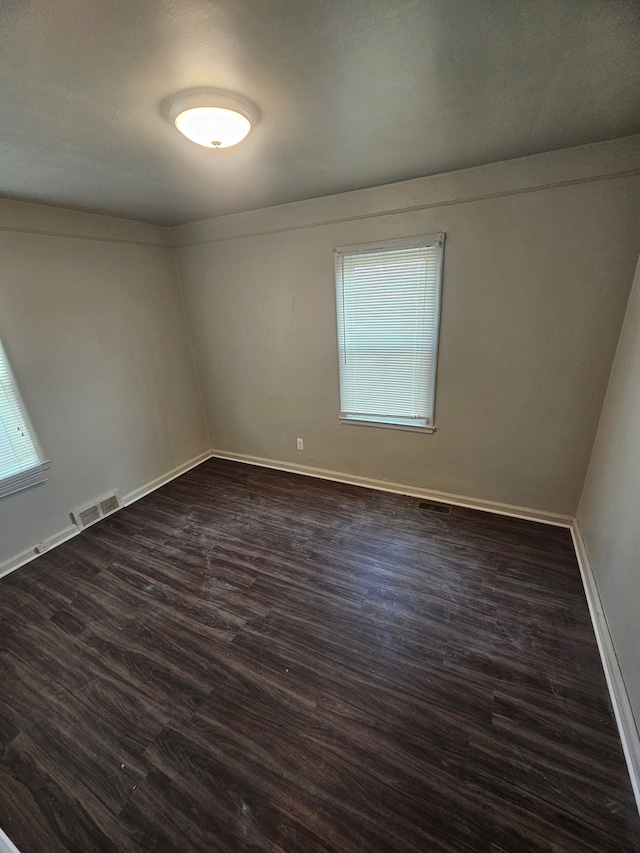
<point x="627" y="727"/>
<point x="29" y="554"/>
<point x="6" y="844"/>
<point x="526" y="513"/>
<point x="151" y="486"/>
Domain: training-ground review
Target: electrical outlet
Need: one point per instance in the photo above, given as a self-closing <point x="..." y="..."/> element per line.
<point x="299" y="444"/>
<point x="41" y="547"/>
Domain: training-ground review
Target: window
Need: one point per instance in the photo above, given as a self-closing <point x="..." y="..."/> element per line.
<point x="388" y="307"/>
<point x="22" y="464"/>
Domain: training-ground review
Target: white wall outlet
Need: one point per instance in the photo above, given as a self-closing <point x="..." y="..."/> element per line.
<point x="41" y="547"/>
<point x="299" y="444"/>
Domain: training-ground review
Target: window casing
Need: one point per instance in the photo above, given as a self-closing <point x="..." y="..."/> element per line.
<point x="22" y="463"/>
<point x="388" y="310"/>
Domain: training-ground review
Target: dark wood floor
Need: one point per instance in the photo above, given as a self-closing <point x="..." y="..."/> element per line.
<point x="249" y="660"/>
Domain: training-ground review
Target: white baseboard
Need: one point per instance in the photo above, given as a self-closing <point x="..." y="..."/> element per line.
<point x="6" y="844"/>
<point x="136" y="494"/>
<point x="18" y="560"/>
<point x="24" y="557"/>
<point x="625" y="719"/>
<point x="629" y="735"/>
<point x="69" y="532"/>
<point x="527" y="513"/>
<point x="30" y="554"/>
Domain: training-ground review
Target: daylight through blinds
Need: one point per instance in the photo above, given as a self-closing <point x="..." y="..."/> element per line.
<point x="388" y="306"/>
<point x="21" y="464"/>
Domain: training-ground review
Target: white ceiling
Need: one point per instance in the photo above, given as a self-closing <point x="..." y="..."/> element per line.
<point x="353" y="93"/>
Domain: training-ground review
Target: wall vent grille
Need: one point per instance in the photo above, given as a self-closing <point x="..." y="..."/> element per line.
<point x="104" y="506"/>
<point x="88" y="516"/>
<point x="109" y="505"/>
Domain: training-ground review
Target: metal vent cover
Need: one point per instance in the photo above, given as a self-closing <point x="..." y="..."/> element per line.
<point x="109" y="505"/>
<point x="88" y="516"/>
<point x="432" y="506"/>
<point x="102" y="507"/>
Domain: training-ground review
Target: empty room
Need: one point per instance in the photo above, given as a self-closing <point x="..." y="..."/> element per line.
<point x="319" y="445"/>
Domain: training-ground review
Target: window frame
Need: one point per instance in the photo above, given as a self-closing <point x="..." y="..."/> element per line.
<point x="35" y="474"/>
<point x="436" y="240"/>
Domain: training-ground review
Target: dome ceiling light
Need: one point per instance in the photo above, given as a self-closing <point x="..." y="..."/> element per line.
<point x="213" y="118"/>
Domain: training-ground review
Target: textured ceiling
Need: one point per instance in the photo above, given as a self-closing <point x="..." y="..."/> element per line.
<point x="353" y="93"/>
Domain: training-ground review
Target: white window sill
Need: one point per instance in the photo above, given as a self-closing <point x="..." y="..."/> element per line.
<point x="429" y="430"/>
<point x="35" y="476"/>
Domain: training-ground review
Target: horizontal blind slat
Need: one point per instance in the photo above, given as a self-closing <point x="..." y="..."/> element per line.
<point x="21" y="464"/>
<point x="388" y="311"/>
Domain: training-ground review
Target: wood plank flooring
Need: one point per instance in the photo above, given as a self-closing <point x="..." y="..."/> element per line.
<point x="249" y="660"/>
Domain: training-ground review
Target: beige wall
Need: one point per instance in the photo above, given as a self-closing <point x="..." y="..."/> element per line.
<point x="609" y="512"/>
<point x="539" y="259"/>
<point x="92" y="320"/>
<point x="538" y="265"/>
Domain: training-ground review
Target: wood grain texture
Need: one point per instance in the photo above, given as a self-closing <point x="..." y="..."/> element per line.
<point x="249" y="660"/>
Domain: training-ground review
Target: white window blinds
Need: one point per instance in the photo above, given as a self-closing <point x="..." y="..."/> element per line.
<point x="388" y="307"/>
<point x="21" y="461"/>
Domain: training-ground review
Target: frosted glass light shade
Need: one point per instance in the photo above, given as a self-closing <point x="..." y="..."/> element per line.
<point x="213" y="118"/>
<point x="213" y="127"/>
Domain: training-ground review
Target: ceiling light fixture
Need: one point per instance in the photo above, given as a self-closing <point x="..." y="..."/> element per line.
<point x="213" y="118"/>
